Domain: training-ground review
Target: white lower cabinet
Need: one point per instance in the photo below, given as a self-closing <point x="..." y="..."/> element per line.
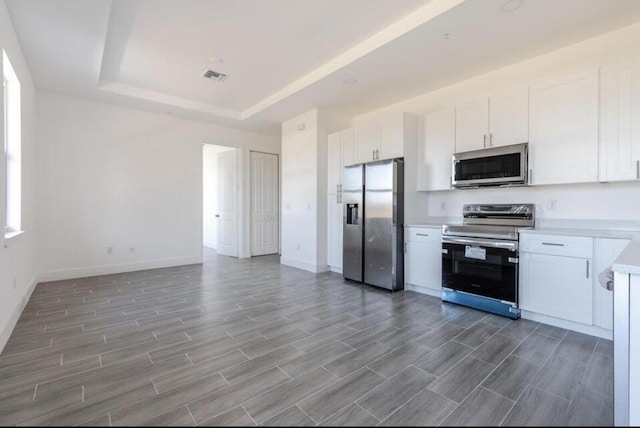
<point x="557" y="286"/>
<point x="605" y="253"/>
<point x="334" y="256"/>
<point x="559" y="279"/>
<point x="423" y="259"/>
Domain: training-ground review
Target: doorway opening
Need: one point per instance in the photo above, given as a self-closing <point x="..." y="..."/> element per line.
<point x="220" y="200"/>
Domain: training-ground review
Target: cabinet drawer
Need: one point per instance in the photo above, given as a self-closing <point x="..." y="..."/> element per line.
<point x="559" y="245"/>
<point x="423" y="234"/>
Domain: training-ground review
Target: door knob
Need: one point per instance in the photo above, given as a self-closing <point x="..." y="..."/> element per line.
<point x="217" y="215"/>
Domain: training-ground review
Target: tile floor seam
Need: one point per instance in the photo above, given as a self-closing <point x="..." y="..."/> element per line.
<point x="249" y="414"/>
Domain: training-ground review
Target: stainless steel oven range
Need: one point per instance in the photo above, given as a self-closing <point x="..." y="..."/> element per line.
<point x="480" y="257"/>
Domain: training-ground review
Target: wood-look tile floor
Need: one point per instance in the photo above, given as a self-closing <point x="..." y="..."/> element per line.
<point x="252" y="342"/>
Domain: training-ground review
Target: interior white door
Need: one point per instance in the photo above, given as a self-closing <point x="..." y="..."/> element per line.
<point x="227" y="215"/>
<point x="264" y="204"/>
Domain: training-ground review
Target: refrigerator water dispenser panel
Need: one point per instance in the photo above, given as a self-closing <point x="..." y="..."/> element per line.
<point x="352" y="213"/>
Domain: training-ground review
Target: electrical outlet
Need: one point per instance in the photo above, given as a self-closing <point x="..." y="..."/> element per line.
<point x="132" y="249"/>
<point x="552" y="205"/>
<point x="109" y="250"/>
<point x="443" y="205"/>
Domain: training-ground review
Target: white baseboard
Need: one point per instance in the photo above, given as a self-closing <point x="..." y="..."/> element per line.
<point x="569" y="325"/>
<point x="5" y="334"/>
<point x="423" y="290"/>
<point x="62" y="274"/>
<point x="335" y="269"/>
<point x="310" y="267"/>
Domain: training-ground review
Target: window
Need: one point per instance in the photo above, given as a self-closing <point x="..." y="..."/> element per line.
<point x="12" y="143"/>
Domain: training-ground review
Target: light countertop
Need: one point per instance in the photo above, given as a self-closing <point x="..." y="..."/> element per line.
<point x="593" y="228"/>
<point x="594" y="233"/>
<point x="629" y="260"/>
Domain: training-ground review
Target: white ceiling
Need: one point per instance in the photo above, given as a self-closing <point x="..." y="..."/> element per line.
<point x="284" y="57"/>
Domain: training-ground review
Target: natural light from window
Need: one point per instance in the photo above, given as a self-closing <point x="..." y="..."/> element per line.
<point x="12" y="139"/>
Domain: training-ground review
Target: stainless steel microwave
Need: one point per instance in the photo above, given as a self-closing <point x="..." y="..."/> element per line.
<point x="494" y="166"/>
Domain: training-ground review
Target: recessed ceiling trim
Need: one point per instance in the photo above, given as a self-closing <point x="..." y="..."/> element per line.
<point x="158" y="97"/>
<point x="393" y="31"/>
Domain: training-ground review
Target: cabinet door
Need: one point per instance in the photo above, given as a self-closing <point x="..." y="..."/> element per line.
<point x="423" y="262"/>
<point x="606" y="251"/>
<point x="391" y="137"/>
<point x="348" y="147"/>
<point x="564" y="130"/>
<point x="335" y="232"/>
<point x="472" y="125"/>
<point x="435" y="150"/>
<point x="557" y="286"/>
<point x="367" y="139"/>
<point x="620" y="122"/>
<point x="509" y="118"/>
<point x="334" y="163"/>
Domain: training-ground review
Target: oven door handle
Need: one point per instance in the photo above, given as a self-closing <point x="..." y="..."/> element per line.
<point x="507" y="245"/>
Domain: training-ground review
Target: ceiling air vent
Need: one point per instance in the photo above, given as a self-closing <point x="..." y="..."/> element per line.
<point x="211" y="74"/>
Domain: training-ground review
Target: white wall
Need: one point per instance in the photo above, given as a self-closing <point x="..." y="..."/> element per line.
<point x="18" y="256"/>
<point x="619" y="201"/>
<point x="304" y="191"/>
<point x="210" y="193"/>
<point x="117" y="177"/>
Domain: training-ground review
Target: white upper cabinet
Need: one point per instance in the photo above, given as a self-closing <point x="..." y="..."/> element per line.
<point x="334" y="163"/>
<point x="472" y="125"/>
<point x="563" y="146"/>
<point x="348" y="147"/>
<point x="509" y="117"/>
<point x="435" y="150"/>
<point x="392" y="129"/>
<point x="384" y="138"/>
<point x="499" y="120"/>
<point x="620" y="122"/>
<point x="367" y="141"/>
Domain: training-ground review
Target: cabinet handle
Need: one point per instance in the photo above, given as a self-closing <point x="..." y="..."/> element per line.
<point x="530" y="176"/>
<point x="638" y="169"/>
<point x="422" y="234"/>
<point x="553" y="243"/>
<point x="337" y="188"/>
<point x="587" y="268"/>
<point x="484" y="140"/>
<point x="373" y="155"/>
<point x="490" y="139"/>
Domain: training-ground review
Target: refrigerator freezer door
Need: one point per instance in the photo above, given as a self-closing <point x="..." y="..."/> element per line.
<point x="383" y="246"/>
<point x="353" y="220"/>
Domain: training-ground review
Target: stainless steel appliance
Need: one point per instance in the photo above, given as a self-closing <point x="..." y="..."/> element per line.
<point x="373" y="241"/>
<point x="480" y="257"/>
<point x="494" y="166"/>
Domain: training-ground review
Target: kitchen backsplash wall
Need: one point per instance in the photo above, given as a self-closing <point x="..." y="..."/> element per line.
<point x="596" y="201"/>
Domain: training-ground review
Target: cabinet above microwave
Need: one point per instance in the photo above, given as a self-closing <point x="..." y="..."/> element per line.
<point x="495" y="166"/>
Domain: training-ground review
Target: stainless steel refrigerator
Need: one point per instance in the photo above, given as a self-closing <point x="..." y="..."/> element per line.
<point x="373" y="238"/>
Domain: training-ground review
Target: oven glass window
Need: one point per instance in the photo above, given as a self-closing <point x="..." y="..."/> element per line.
<point x="495" y="276"/>
<point x="502" y="166"/>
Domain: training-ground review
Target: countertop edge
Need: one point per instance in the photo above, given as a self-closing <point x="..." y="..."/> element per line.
<point x="629" y="260"/>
